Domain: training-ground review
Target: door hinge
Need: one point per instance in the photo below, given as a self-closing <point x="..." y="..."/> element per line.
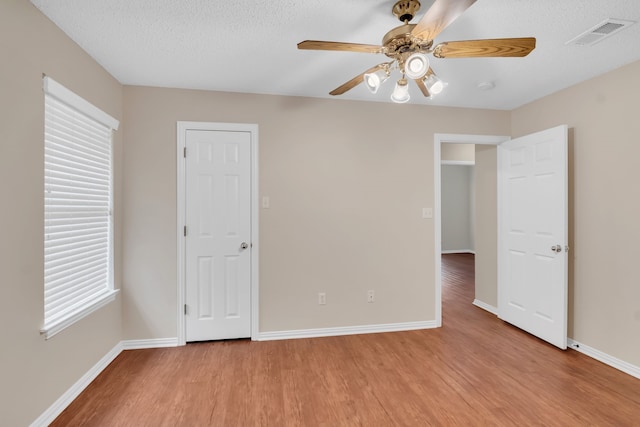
<point x="184" y="152"/>
<point x="185" y="309"/>
<point x="185" y="231"/>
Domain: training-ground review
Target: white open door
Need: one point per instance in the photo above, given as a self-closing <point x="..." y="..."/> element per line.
<point x="533" y="234"/>
<point x="218" y="234"/>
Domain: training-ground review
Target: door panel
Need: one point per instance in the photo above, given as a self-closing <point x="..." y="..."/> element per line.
<point x="218" y="215"/>
<point x="532" y="288"/>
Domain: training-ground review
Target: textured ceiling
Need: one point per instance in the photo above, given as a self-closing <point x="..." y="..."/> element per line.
<point x="250" y="45"/>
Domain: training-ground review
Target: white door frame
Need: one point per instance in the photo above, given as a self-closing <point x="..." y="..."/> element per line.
<point x="439" y="139"/>
<point x="182" y="128"/>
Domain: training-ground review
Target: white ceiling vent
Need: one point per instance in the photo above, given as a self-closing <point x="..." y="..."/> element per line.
<point x="600" y="32"/>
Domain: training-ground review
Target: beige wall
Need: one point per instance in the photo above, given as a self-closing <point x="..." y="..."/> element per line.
<point x="605" y="293"/>
<point x="34" y="372"/>
<point x="346" y="188"/>
<point x="457" y="152"/>
<point x="486" y="185"/>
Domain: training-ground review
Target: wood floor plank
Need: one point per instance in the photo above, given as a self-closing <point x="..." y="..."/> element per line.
<point x="474" y="371"/>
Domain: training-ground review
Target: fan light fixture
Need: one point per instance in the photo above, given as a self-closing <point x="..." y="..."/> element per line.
<point x="433" y="83"/>
<point x="373" y="81"/>
<point x="400" y="93"/>
<point x="416" y="66"/>
<point x="429" y="82"/>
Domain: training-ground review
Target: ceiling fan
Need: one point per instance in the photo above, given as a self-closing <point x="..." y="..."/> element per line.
<point x="408" y="45"/>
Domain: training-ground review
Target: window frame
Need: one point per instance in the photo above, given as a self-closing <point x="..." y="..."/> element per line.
<point x="59" y="93"/>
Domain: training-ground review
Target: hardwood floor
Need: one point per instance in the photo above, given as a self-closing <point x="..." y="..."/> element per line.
<point x="474" y="371"/>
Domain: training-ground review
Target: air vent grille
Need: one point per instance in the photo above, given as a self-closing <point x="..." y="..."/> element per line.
<point x="608" y="28"/>
<point x="600" y="32"/>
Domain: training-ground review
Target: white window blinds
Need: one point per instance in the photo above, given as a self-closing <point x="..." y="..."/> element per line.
<point x="78" y="235"/>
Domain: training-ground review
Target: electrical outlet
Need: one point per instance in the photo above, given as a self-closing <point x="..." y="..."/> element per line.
<point x="322" y="298"/>
<point x="371" y="296"/>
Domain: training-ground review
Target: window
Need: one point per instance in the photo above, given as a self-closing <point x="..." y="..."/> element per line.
<point x="78" y="198"/>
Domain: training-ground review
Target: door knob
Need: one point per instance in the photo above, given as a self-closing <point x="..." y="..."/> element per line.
<point x="244" y="245"/>
<point x="556" y="248"/>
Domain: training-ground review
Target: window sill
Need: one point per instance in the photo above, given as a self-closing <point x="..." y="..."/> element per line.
<point x="52" y="329"/>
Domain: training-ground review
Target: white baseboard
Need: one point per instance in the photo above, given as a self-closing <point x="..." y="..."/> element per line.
<point x="458" y="251"/>
<point x="65" y="400"/>
<point x="152" y="343"/>
<point x="614" y="362"/>
<point x="491" y="309"/>
<point x="346" y="330"/>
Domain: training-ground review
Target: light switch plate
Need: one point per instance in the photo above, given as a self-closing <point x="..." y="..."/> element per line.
<point x="427" y="213"/>
<point x="265" y="202"/>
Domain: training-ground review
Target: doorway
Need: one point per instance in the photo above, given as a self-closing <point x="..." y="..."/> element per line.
<point x="217" y="231"/>
<point x="486" y="260"/>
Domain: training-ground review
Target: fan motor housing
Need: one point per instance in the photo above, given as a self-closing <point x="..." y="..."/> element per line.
<point x="400" y="41"/>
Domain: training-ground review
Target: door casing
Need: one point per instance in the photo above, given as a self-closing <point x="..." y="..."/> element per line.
<point x="182" y="127"/>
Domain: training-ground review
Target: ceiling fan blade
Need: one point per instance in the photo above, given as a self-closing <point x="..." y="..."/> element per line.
<point x="516" y="47"/>
<point x="346" y="47"/>
<point x="423" y="87"/>
<point x="354" y="81"/>
<point x="439" y="16"/>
